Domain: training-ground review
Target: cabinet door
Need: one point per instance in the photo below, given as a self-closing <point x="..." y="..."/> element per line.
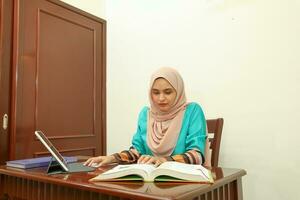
<point x="59" y="84"/>
<point x="6" y="19"/>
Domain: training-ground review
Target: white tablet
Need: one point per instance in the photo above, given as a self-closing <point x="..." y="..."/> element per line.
<point x="54" y="152"/>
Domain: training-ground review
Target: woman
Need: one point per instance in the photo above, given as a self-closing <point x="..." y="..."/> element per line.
<point x="171" y="130"/>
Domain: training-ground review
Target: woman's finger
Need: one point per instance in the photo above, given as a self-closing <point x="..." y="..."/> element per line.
<point x="144" y="159"/>
<point x="88" y="161"/>
<point x="94" y="160"/>
<point x="151" y="160"/>
<point x="141" y="159"/>
<point x="157" y="163"/>
<point x="91" y="162"/>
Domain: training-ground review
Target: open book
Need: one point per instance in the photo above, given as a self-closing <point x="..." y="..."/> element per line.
<point x="168" y="171"/>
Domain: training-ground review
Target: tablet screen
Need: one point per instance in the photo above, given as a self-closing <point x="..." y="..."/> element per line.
<point x="54" y="152"/>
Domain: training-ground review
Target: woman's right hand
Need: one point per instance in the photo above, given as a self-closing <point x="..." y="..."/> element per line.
<point x="99" y="161"/>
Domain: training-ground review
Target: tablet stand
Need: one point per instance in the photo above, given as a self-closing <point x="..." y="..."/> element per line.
<point x="54" y="167"/>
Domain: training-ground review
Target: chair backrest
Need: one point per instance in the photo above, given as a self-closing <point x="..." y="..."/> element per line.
<point x="214" y="130"/>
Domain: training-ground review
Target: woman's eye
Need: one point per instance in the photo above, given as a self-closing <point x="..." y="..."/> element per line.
<point x="168" y="92"/>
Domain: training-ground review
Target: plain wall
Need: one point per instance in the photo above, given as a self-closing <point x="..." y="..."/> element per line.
<point x="240" y="60"/>
<point x="95" y="7"/>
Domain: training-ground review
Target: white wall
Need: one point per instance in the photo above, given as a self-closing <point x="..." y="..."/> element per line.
<point x="240" y="60"/>
<point x="95" y="7"/>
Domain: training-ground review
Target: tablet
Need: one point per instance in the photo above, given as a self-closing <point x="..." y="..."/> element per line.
<point x="54" y="152"/>
<point x="59" y="164"/>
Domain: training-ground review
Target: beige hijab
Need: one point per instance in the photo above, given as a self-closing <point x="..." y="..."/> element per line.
<point x="164" y="127"/>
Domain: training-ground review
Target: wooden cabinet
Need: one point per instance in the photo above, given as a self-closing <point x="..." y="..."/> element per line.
<point x="58" y="79"/>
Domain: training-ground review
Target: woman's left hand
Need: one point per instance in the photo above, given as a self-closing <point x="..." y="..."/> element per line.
<point x="146" y="159"/>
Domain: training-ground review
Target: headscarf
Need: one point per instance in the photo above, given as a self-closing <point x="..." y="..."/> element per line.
<point x="164" y="127"/>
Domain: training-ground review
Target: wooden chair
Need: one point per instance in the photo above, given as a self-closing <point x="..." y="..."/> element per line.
<point x="214" y="130"/>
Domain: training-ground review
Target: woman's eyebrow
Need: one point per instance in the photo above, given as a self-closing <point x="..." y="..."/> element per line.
<point x="163" y="89"/>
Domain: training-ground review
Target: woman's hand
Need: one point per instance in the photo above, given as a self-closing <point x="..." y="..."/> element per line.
<point x="151" y="160"/>
<point x="100" y="160"/>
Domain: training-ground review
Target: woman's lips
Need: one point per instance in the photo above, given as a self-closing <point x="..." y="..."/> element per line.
<point x="163" y="104"/>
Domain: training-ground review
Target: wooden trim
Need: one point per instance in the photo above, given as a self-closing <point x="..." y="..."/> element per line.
<point x="94" y="80"/>
<point x="65" y="150"/>
<point x="6" y="28"/>
<point x="63" y="18"/>
<point x="1" y="30"/>
<point x="69" y="137"/>
<point x="14" y="83"/>
<point x="76" y="10"/>
<point x="66" y="137"/>
<point x="103" y="103"/>
<point x="38" y="22"/>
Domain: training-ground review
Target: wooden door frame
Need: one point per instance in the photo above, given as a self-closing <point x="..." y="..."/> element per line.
<point x="6" y="29"/>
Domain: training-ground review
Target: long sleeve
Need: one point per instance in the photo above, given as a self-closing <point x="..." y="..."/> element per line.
<point x="127" y="156"/>
<point x="190" y="157"/>
<point x="196" y="132"/>
<point x="131" y="156"/>
<point x="194" y="139"/>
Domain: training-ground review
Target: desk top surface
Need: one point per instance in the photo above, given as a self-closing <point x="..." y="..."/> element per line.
<point x="157" y="190"/>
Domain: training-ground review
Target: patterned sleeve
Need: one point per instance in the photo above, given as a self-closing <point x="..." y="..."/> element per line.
<point x="132" y="155"/>
<point x="190" y="157"/>
<point x="127" y="156"/>
<point x="195" y="139"/>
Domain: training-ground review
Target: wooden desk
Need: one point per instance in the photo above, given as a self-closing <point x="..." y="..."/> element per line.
<point x="36" y="184"/>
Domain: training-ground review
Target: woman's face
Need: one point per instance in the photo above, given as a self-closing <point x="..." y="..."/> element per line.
<point x="163" y="94"/>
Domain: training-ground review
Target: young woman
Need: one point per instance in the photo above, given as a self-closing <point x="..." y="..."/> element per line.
<point x="170" y="130"/>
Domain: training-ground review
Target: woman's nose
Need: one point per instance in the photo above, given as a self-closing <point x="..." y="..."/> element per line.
<point x="161" y="97"/>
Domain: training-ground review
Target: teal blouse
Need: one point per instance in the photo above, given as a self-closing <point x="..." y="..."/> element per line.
<point x="191" y="136"/>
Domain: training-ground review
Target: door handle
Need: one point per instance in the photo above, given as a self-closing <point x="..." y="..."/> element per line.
<point x="5" y="121"/>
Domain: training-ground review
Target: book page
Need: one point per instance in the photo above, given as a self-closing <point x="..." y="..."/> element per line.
<point x="145" y="167"/>
<point x="185" y="168"/>
<point x="127" y="172"/>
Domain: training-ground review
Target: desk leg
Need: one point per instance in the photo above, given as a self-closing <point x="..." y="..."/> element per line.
<point x="3" y="195"/>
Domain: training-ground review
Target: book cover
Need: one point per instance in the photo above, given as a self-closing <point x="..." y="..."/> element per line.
<point x="36" y="162"/>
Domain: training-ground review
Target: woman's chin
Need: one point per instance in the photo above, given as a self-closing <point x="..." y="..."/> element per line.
<point x="164" y="109"/>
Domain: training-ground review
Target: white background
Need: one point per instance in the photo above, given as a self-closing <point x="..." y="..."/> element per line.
<point x="240" y="60"/>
